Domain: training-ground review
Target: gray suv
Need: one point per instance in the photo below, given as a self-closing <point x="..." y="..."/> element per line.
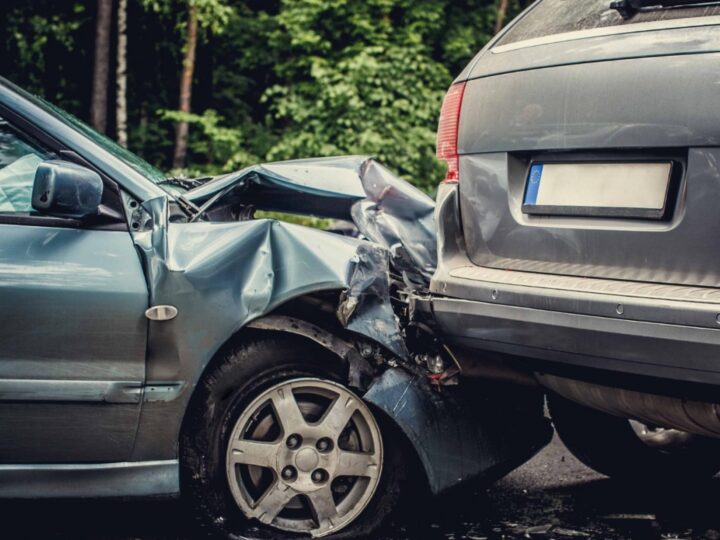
<point x="578" y="226"/>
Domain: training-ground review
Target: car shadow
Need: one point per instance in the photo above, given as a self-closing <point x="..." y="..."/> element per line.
<point x="590" y="508"/>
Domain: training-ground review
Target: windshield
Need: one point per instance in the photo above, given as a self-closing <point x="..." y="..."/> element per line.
<point x="123" y="154"/>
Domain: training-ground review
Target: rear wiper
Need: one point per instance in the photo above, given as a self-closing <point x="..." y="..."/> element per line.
<point x="628" y="8"/>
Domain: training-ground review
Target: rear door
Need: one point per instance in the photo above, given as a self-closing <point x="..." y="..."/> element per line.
<point x="72" y="325"/>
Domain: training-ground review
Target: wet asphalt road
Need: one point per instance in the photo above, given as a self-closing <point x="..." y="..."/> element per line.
<point x="552" y="496"/>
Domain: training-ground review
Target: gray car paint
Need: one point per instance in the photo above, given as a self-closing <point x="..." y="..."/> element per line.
<point x="590" y="106"/>
<point x="519" y="284"/>
<point x="85" y="480"/>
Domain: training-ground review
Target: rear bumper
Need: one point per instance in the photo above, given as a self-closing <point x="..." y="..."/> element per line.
<point x="574" y="325"/>
<point x="654" y="350"/>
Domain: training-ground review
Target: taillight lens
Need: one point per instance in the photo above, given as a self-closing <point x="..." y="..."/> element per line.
<point x="447" y="134"/>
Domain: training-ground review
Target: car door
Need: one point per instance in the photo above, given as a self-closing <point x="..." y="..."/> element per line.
<point x="72" y="325"/>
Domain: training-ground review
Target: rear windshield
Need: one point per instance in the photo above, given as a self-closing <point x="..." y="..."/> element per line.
<point x="551" y="17"/>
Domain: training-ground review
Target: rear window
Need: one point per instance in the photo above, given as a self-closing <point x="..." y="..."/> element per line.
<point x="551" y="17"/>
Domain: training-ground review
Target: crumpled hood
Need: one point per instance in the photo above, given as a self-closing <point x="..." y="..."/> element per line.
<point x="385" y="208"/>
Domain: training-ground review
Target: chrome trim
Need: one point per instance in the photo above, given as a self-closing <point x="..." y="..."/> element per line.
<point x="162" y="391"/>
<point x="130" y="479"/>
<point x="161" y="313"/>
<point x="64" y="390"/>
<point x="691" y="22"/>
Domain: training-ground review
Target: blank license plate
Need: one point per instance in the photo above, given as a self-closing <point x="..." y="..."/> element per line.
<point x="637" y="190"/>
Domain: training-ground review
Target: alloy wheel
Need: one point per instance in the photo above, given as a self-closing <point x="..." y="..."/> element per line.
<point x="305" y="457"/>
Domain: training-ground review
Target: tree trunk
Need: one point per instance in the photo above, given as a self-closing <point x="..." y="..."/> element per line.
<point x="181" y="130"/>
<point x="121" y="75"/>
<point x="502" y="10"/>
<point x="101" y="70"/>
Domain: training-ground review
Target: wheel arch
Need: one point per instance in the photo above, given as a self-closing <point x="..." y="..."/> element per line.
<point x="312" y="328"/>
<point x="309" y="319"/>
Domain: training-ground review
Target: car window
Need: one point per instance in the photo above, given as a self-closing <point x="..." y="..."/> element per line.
<point x="551" y="17"/>
<point x="19" y="159"/>
<point x="123" y="154"/>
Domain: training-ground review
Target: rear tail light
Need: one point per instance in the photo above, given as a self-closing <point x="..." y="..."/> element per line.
<point x="447" y="134"/>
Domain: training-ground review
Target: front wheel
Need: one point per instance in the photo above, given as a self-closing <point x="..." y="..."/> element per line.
<point x="627" y="450"/>
<point x="279" y="447"/>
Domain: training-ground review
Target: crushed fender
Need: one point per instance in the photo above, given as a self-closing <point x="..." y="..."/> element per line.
<point x="244" y="270"/>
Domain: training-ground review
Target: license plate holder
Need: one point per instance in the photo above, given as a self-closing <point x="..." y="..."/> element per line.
<point x="598" y="189"/>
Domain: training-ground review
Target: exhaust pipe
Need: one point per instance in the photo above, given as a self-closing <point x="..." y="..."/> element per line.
<point x="695" y="417"/>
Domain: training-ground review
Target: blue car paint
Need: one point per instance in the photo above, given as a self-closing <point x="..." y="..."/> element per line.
<point x="220" y="276"/>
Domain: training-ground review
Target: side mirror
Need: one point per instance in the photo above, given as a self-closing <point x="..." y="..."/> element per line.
<point x="64" y="189"/>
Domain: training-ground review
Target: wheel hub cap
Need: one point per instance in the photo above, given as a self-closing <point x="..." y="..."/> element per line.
<point x="307" y="460"/>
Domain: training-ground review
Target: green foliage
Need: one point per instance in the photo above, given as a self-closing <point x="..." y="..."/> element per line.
<point x="274" y="79"/>
<point x="307" y="221"/>
<point x="222" y="147"/>
<point x="212" y="15"/>
<point x="380" y="100"/>
<point x="34" y="38"/>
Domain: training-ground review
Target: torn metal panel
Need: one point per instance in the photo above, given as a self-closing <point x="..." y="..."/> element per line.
<point x="323" y="187"/>
<point x="399" y="217"/>
<point x="221" y="276"/>
<point x="385" y="208"/>
<point x="222" y="269"/>
<point x="458" y="433"/>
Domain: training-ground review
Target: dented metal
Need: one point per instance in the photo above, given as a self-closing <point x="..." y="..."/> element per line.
<point x="385" y="208"/>
<point x="221" y="271"/>
<point x="458" y="434"/>
<point x="360" y="372"/>
<point x="241" y="271"/>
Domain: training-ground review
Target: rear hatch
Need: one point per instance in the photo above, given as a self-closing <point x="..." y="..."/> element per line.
<point x="590" y="145"/>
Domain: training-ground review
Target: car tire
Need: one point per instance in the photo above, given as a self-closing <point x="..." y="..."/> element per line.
<point x="245" y="373"/>
<point x="611" y="446"/>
